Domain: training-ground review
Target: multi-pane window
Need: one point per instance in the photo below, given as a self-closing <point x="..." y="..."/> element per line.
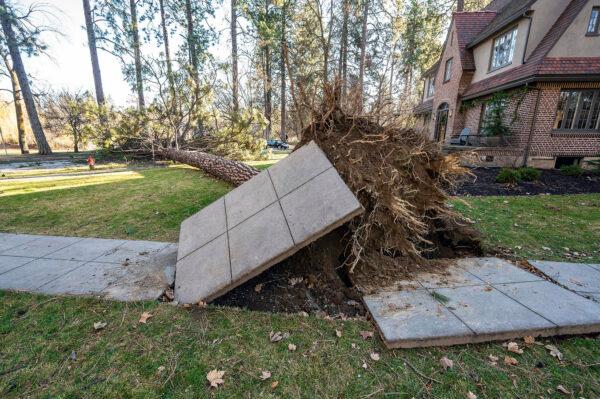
<point x="430" y="86"/>
<point x="448" y="70"/>
<point x="503" y="49"/>
<point x="594" y="24"/>
<point x="578" y="110"/>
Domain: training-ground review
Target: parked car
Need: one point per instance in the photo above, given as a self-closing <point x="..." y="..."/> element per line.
<point x="277" y="144"/>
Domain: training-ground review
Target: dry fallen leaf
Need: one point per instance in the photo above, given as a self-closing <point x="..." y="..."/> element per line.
<point x="338" y="333"/>
<point x="365" y="365"/>
<point x="471" y="395"/>
<point x="275" y="336"/>
<point x="529" y="340"/>
<point x="562" y="389"/>
<point x="215" y="377"/>
<point x="493" y="360"/>
<point x="265" y="375"/>
<point x="514" y="347"/>
<point x="200" y="304"/>
<point x="446" y="363"/>
<point x="366" y="334"/>
<point x="291" y="347"/>
<point x="99" y="325"/>
<point x="274" y="384"/>
<point x="295" y="280"/>
<point x="510" y="361"/>
<point x="353" y="345"/>
<point x="258" y="288"/>
<point x="144" y="317"/>
<point x="554" y="351"/>
<point x="161" y="369"/>
<point x="374" y="356"/>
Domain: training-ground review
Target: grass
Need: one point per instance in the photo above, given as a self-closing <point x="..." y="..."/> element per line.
<point x="539" y="227"/>
<point x="170" y="355"/>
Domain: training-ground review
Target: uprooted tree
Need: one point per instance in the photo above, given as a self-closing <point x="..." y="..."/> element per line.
<point x="399" y="176"/>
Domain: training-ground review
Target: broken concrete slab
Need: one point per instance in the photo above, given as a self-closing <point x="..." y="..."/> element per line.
<point x="150" y="270"/>
<point x="414" y="319"/>
<point x="36" y="273"/>
<point x="496" y="271"/>
<point x="268" y="218"/>
<point x="572" y="313"/>
<point x="453" y="276"/>
<point x="8" y="240"/>
<point x="493" y="315"/>
<point x="41" y="246"/>
<point x="11" y="262"/>
<point x="86" y="249"/>
<point x="89" y="279"/>
<point x="579" y="277"/>
<point x="132" y="251"/>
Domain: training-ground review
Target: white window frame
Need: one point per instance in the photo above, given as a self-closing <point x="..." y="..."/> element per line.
<point x="431" y="86"/>
<point x="503" y="49"/>
<point x="448" y="69"/>
<point x="594" y="23"/>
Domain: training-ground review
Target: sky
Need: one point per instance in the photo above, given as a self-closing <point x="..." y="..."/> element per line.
<point x="69" y="67"/>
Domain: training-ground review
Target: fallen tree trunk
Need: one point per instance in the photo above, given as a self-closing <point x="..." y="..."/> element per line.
<point x="233" y="172"/>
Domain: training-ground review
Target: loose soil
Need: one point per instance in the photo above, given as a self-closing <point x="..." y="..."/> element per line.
<point x="552" y="181"/>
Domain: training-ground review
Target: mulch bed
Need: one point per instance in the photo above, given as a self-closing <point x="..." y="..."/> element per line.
<point x="552" y="181"/>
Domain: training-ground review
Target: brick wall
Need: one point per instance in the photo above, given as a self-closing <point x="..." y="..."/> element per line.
<point x="545" y="142"/>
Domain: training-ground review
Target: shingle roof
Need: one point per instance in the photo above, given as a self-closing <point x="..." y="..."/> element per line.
<point x="507" y="12"/>
<point x="538" y="64"/>
<point x="424" y="107"/>
<point x="468" y="25"/>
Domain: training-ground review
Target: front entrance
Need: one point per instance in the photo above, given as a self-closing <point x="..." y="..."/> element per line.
<point x="441" y="122"/>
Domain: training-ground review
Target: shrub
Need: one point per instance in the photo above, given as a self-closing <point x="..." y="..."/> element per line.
<point x="530" y="174"/>
<point x="506" y="175"/>
<point x="571" y="170"/>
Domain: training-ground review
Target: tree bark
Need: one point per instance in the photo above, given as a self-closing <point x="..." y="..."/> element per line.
<point x="282" y="130"/>
<point x="233" y="172"/>
<point x="137" y="54"/>
<point x="75" y="141"/>
<point x="19" y="68"/>
<point x="343" y="62"/>
<point x="234" y="58"/>
<point x="363" y="53"/>
<point x="163" y="23"/>
<point x="460" y="5"/>
<point x="18" y="100"/>
<point x="91" y="35"/>
<point x="191" y="41"/>
<point x="268" y="89"/>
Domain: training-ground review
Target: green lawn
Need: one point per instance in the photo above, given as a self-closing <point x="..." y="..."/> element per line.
<point x="171" y="354"/>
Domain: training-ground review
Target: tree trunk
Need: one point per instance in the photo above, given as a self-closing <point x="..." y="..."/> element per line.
<point x="91" y="35"/>
<point x="363" y="53"/>
<point x="343" y="62"/>
<point x="165" y="32"/>
<point x="75" y="141"/>
<point x="137" y="54"/>
<point x="191" y="42"/>
<point x="282" y="131"/>
<point x="18" y="100"/>
<point x="233" y="172"/>
<point x="460" y="5"/>
<point x="234" y="58"/>
<point x="19" y="68"/>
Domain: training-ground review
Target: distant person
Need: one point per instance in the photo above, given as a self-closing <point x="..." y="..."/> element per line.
<point x="91" y="161"/>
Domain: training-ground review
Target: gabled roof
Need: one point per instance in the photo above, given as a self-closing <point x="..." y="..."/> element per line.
<point x="508" y="11"/>
<point x="424" y="107"/>
<point x="538" y="64"/>
<point x="468" y="25"/>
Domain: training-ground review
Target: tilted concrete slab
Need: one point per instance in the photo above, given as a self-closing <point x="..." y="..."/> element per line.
<point x="508" y="302"/>
<point x="267" y="219"/>
<point x="575" y="276"/>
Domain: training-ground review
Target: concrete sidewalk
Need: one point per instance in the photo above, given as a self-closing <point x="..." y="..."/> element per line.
<point x="114" y="269"/>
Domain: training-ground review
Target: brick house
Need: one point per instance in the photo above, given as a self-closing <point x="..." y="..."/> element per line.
<point x="535" y="62"/>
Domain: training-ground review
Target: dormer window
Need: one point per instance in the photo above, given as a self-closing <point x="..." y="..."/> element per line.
<point x="594" y="24"/>
<point x="503" y="49"/>
<point x="448" y="70"/>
